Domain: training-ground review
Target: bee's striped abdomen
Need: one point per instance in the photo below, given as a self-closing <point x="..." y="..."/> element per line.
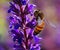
<point x="39" y="28"/>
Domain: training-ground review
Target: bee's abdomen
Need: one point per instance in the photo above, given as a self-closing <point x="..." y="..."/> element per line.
<point x="39" y="28"/>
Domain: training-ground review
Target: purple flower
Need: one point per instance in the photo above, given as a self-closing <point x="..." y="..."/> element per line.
<point x="22" y="24"/>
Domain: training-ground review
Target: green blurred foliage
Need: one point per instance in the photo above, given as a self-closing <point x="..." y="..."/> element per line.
<point x="2" y="19"/>
<point x="2" y="1"/>
<point x="2" y="23"/>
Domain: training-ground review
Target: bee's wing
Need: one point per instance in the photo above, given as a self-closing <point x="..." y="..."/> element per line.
<point x="50" y="23"/>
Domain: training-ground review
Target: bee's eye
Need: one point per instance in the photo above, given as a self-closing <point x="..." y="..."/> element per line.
<point x="36" y="13"/>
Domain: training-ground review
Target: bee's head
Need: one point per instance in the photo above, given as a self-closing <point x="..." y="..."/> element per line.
<point x="36" y="13"/>
<point x="39" y="13"/>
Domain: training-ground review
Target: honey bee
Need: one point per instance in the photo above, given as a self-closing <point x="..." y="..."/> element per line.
<point x="40" y="25"/>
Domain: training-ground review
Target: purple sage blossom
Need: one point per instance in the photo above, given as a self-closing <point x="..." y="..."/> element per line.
<point x="22" y="23"/>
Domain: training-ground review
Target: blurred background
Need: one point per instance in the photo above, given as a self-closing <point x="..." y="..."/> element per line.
<point x="51" y="32"/>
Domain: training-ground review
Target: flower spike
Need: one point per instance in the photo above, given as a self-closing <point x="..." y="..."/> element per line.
<point x="22" y="24"/>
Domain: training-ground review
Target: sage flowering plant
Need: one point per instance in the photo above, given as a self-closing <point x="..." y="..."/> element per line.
<point x="22" y="23"/>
